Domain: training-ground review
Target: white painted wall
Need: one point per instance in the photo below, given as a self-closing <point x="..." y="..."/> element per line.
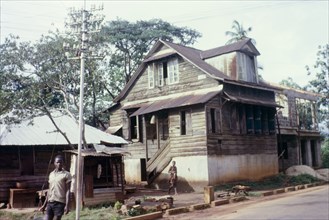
<point x="241" y="167"/>
<point x="132" y="171"/>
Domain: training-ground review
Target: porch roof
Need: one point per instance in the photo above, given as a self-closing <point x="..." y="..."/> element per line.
<point x="242" y="99"/>
<point x="169" y="103"/>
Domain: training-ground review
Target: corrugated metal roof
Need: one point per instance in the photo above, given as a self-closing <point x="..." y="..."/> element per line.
<point x="238" y="46"/>
<point x="246" y="100"/>
<point x="41" y="131"/>
<point x="100" y="151"/>
<point x="174" y="102"/>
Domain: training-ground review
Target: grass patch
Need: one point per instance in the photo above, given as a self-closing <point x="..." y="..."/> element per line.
<point x="274" y="182"/>
<point x="99" y="213"/>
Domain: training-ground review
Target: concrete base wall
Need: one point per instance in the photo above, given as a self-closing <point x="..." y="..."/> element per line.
<point x="192" y="174"/>
<point x="241" y="167"/>
<point x="133" y="171"/>
<point x="196" y="172"/>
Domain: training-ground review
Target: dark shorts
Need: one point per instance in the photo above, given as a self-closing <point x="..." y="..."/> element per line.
<point x="55" y="209"/>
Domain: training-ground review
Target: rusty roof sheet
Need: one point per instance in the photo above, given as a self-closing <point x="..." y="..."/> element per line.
<point x="238" y="46"/>
<point x="157" y="57"/>
<point x="175" y="102"/>
<point x="246" y="100"/>
<point x="194" y="56"/>
<point x="101" y="151"/>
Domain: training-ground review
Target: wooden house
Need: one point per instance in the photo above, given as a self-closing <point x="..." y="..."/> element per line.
<point x="206" y="110"/>
<point x="27" y="150"/>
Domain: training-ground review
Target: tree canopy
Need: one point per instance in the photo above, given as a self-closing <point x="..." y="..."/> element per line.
<point x="39" y="76"/>
<point x="320" y="82"/>
<point x="131" y="41"/>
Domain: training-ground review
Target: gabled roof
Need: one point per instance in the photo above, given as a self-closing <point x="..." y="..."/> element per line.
<point x="41" y="131"/>
<point x="188" y="53"/>
<point x="245" y="46"/>
<point x="194" y="56"/>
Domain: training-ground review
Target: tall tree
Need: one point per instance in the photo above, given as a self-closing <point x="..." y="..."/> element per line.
<point x="11" y="63"/>
<point x="48" y="79"/>
<point x="320" y="83"/>
<point x="289" y="82"/>
<point x="238" y="32"/>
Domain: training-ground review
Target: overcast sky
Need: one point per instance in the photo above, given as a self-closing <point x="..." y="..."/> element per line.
<point x="287" y="33"/>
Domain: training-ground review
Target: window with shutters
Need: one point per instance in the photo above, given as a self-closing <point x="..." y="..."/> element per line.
<point x="254" y="119"/>
<point x="150" y="71"/>
<point x="173" y="73"/>
<point x="162" y="73"/>
<point x="136" y="129"/>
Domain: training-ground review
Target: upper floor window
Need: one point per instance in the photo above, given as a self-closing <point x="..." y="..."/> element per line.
<point x="162" y="73"/>
<point x="173" y="73"/>
<point x="159" y="73"/>
<point x="282" y="100"/>
<point x="256" y="119"/>
<point x="306" y="113"/>
<point x="150" y="72"/>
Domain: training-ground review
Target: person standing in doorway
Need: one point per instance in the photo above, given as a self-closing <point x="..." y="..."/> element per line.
<point x="173" y="178"/>
<point x="58" y="196"/>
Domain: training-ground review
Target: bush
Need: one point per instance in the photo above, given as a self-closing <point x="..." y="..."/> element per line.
<point x="302" y="179"/>
<point x="325" y="153"/>
<point x="273" y="182"/>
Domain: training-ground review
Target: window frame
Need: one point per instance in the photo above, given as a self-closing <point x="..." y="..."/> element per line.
<point x="173" y="71"/>
<point x="150" y="76"/>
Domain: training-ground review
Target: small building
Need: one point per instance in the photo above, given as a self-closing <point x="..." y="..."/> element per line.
<point x="27" y="150"/>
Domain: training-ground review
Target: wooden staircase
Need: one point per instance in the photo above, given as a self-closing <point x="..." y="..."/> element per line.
<point x="158" y="162"/>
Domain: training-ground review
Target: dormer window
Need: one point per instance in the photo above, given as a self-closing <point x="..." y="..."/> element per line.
<point x="162" y="73"/>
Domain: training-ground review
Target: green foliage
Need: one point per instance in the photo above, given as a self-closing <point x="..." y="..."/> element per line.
<point x="289" y="82"/>
<point x="117" y="205"/>
<point x="325" y="153"/>
<point x="238" y="32"/>
<point x="136" y="211"/>
<point x="302" y="179"/>
<point x="39" y="76"/>
<point x="273" y="182"/>
<point x="131" y="42"/>
<point x="320" y="83"/>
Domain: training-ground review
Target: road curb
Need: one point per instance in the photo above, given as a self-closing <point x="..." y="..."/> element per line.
<point x="191" y="208"/>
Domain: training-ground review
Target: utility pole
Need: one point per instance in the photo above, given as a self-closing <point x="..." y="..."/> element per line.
<point x="82" y="23"/>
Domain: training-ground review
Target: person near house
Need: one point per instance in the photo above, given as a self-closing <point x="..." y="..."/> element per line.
<point x="173" y="178"/>
<point x="58" y="196"/>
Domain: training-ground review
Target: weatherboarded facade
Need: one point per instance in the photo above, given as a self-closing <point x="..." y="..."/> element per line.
<point x="206" y="110"/>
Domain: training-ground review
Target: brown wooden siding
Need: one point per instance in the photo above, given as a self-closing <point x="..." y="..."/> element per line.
<point x="188" y="81"/>
<point x="35" y="175"/>
<point x="194" y="142"/>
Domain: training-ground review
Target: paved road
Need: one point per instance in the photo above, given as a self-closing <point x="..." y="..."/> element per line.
<point x="307" y="204"/>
